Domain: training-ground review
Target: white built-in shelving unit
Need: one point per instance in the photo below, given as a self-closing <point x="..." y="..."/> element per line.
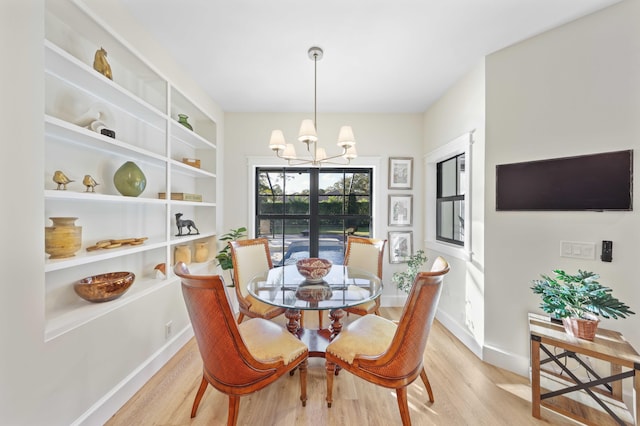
<point x="142" y="107"/>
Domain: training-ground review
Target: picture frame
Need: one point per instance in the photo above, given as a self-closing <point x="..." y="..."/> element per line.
<point x="400" y="210"/>
<point x="400" y="246"/>
<point x="400" y="172"/>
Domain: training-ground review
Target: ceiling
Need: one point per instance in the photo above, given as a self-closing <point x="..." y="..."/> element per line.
<point x="379" y="56"/>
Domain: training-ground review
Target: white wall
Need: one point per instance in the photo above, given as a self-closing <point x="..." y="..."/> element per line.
<point x="22" y="301"/>
<point x="378" y="137"/>
<point x="459" y="111"/>
<point x="573" y="90"/>
<point x="88" y="372"/>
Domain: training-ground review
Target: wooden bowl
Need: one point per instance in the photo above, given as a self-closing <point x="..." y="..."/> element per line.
<point x="313" y="269"/>
<point x="104" y="287"/>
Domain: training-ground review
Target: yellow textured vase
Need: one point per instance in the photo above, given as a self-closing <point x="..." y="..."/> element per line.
<point x="202" y="252"/>
<point x="63" y="239"/>
<point x="182" y="254"/>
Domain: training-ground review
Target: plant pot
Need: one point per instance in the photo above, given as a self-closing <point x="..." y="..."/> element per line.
<point x="581" y="328"/>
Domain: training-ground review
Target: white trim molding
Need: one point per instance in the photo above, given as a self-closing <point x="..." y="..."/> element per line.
<point x="460" y="145"/>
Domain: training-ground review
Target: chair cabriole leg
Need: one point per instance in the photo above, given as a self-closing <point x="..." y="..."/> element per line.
<point x="425" y="380"/>
<point x="401" y="394"/>
<point x="196" y="401"/>
<point x="234" y="405"/>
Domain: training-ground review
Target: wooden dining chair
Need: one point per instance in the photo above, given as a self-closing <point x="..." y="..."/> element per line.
<point x="389" y="354"/>
<point x="251" y="258"/>
<point x="366" y="254"/>
<point x="237" y="359"/>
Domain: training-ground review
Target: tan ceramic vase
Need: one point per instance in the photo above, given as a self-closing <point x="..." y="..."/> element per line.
<point x="182" y="254"/>
<point x="202" y="252"/>
<point x="63" y="239"/>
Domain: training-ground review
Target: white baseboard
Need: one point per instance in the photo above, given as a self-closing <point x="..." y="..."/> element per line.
<point x="460" y="333"/>
<point x="392" y="301"/>
<point x="494" y="356"/>
<point x="113" y="400"/>
<point x="506" y="360"/>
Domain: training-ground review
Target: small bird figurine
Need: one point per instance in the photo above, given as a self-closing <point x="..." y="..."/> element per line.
<point x="61" y="179"/>
<point x="90" y="183"/>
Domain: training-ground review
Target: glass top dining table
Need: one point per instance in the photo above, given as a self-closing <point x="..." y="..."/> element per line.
<point x="342" y="287"/>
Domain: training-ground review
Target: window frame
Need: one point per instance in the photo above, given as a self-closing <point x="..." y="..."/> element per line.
<point x="440" y="199"/>
<point x="460" y="145"/>
<point x="313" y="216"/>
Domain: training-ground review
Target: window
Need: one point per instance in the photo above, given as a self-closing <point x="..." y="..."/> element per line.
<point x="450" y="200"/>
<point x="309" y="212"/>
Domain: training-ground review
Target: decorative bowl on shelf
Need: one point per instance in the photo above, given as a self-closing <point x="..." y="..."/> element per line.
<point x="313" y="269"/>
<point x="104" y="287"/>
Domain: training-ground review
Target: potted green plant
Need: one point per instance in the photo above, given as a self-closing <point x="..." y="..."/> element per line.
<point x="404" y="280"/>
<point x="578" y="300"/>
<point x="224" y="256"/>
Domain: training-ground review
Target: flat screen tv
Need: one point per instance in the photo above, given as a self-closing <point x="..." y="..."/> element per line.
<point x="595" y="182"/>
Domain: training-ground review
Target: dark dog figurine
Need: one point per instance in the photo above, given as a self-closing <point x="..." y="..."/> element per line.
<point x="185" y="223"/>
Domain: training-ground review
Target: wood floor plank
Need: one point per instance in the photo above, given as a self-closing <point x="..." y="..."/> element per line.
<point x="467" y="392"/>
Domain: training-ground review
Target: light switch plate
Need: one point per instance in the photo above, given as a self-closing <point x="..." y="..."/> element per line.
<point x="578" y="250"/>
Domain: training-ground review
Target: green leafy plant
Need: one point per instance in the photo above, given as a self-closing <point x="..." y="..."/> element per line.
<point x="404" y="280"/>
<point x="578" y="296"/>
<point x="224" y="256"/>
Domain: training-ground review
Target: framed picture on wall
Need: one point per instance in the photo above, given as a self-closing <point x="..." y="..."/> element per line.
<point x="400" y="172"/>
<point x="400" y="246"/>
<point x="400" y="210"/>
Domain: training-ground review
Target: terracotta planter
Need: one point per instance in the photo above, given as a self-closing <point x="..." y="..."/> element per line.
<point x="581" y="328"/>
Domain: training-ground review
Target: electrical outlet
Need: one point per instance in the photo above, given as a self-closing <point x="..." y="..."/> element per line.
<point x="168" y="329"/>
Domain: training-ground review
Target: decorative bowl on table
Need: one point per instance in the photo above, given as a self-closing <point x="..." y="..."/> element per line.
<point x="314" y="292"/>
<point x="104" y="287"/>
<point x="313" y="269"/>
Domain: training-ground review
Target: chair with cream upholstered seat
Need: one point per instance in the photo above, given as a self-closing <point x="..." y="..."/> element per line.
<point x="366" y="254"/>
<point x="389" y="354"/>
<point x="237" y="359"/>
<point x="251" y="258"/>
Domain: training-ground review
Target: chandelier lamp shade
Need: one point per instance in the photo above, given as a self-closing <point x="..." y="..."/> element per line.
<point x="309" y="136"/>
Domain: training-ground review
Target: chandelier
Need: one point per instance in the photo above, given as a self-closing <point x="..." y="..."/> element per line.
<point x="308" y="135"/>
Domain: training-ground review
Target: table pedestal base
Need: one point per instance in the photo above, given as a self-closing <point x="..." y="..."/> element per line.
<point x="316" y="340"/>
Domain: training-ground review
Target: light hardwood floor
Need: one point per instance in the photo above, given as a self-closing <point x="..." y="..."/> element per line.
<point x="467" y="392"/>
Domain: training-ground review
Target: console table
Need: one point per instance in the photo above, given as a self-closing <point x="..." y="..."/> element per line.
<point x="597" y="400"/>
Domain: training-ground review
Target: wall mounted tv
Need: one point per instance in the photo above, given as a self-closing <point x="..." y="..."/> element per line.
<point x="587" y="182"/>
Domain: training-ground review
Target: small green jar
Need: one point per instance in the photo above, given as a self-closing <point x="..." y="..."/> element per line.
<point x="182" y="119"/>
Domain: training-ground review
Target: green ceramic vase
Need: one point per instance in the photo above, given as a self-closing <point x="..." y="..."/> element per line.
<point x="182" y="119"/>
<point x="129" y="179"/>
